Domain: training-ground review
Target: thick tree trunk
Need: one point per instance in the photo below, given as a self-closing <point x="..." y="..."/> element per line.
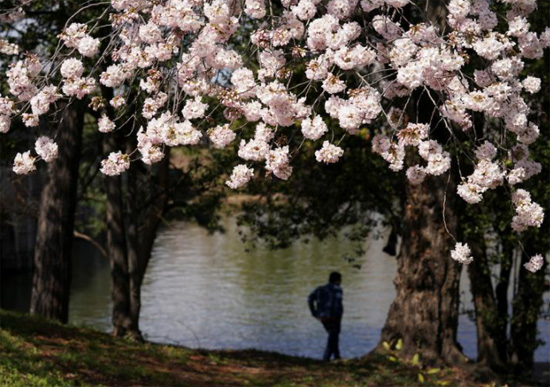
<point x="491" y="330"/>
<point x="52" y="256"/>
<point x="424" y="314"/>
<point x="116" y="247"/>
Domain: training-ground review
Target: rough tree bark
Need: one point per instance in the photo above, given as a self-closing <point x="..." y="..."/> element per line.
<point x="52" y="255"/>
<point x="424" y="313"/>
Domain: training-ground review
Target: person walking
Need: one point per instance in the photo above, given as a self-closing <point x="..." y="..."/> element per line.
<point x="325" y="304"/>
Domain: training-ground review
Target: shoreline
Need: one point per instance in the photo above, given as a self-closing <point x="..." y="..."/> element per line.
<point x="34" y="351"/>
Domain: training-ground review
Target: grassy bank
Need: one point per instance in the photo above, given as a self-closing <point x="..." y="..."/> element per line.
<point x="37" y="352"/>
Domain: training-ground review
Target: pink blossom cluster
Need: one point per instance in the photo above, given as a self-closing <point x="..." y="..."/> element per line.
<point x="535" y="263"/>
<point x="24" y="163"/>
<point x="105" y="125"/>
<point x="76" y="36"/>
<point x="115" y="164"/>
<point x="461" y="253"/>
<point x="46" y="148"/>
<point x="329" y="153"/>
<point x="240" y="176"/>
<point x="278" y="162"/>
<point x="305" y="72"/>
<point x="7" y="110"/>
<point x="8" y="48"/>
<point x="21" y="77"/>
<point x="438" y="161"/>
<point x="528" y="213"/>
<point x="221" y="136"/>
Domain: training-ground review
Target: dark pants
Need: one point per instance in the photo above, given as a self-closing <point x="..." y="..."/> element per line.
<point x="332" y="326"/>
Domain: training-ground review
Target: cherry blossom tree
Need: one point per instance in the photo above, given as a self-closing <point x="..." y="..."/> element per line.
<point x="437" y="85"/>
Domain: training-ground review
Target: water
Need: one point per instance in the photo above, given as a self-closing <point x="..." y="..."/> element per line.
<point x="222" y="297"/>
<point x="206" y="291"/>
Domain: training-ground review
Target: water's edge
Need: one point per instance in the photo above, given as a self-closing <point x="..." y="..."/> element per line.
<point x="205" y="291"/>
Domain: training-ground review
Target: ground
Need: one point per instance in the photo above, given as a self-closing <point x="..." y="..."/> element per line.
<point x="35" y="352"/>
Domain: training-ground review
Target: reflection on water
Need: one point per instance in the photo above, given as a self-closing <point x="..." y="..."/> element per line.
<point x="90" y="302"/>
<point x="205" y="291"/>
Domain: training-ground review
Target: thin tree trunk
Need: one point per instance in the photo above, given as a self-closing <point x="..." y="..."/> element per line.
<point x="501" y="293"/>
<point x="131" y="232"/>
<point x="490" y="329"/>
<point x="526" y="308"/>
<point x="133" y="243"/>
<point x="142" y="234"/>
<point x="52" y="255"/>
<point x="116" y="247"/>
<point x="424" y="314"/>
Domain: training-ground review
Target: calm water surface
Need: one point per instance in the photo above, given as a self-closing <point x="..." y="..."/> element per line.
<point x="206" y="291"/>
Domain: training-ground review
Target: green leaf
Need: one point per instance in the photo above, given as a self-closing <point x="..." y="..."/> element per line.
<point x="386" y="345"/>
<point x="421" y="378"/>
<point x="432" y="371"/>
<point x="443" y="382"/>
<point x="415" y="359"/>
<point x="392" y="358"/>
<point x="399" y="345"/>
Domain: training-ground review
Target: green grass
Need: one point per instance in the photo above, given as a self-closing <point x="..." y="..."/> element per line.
<point x="36" y="352"/>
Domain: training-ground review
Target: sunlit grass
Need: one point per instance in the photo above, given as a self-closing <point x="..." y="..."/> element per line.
<point x="35" y="352"/>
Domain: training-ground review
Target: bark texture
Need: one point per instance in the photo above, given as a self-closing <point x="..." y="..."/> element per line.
<point x="424" y="314"/>
<point x="52" y="256"/>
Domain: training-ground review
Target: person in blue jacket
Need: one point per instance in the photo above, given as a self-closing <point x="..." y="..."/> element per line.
<point x="325" y="304"/>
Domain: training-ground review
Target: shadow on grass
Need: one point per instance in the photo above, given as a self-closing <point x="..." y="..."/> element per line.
<point x="34" y="351"/>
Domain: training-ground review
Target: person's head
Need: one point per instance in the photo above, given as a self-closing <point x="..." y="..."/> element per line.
<point x="335" y="278"/>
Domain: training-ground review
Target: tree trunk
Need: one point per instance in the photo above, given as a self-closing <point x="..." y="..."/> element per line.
<point x="52" y="255"/>
<point x="143" y="221"/>
<point x="501" y="293"/>
<point x="490" y="328"/>
<point x="526" y="308"/>
<point x="131" y="234"/>
<point x="134" y="273"/>
<point x="424" y="314"/>
<point x="116" y="247"/>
